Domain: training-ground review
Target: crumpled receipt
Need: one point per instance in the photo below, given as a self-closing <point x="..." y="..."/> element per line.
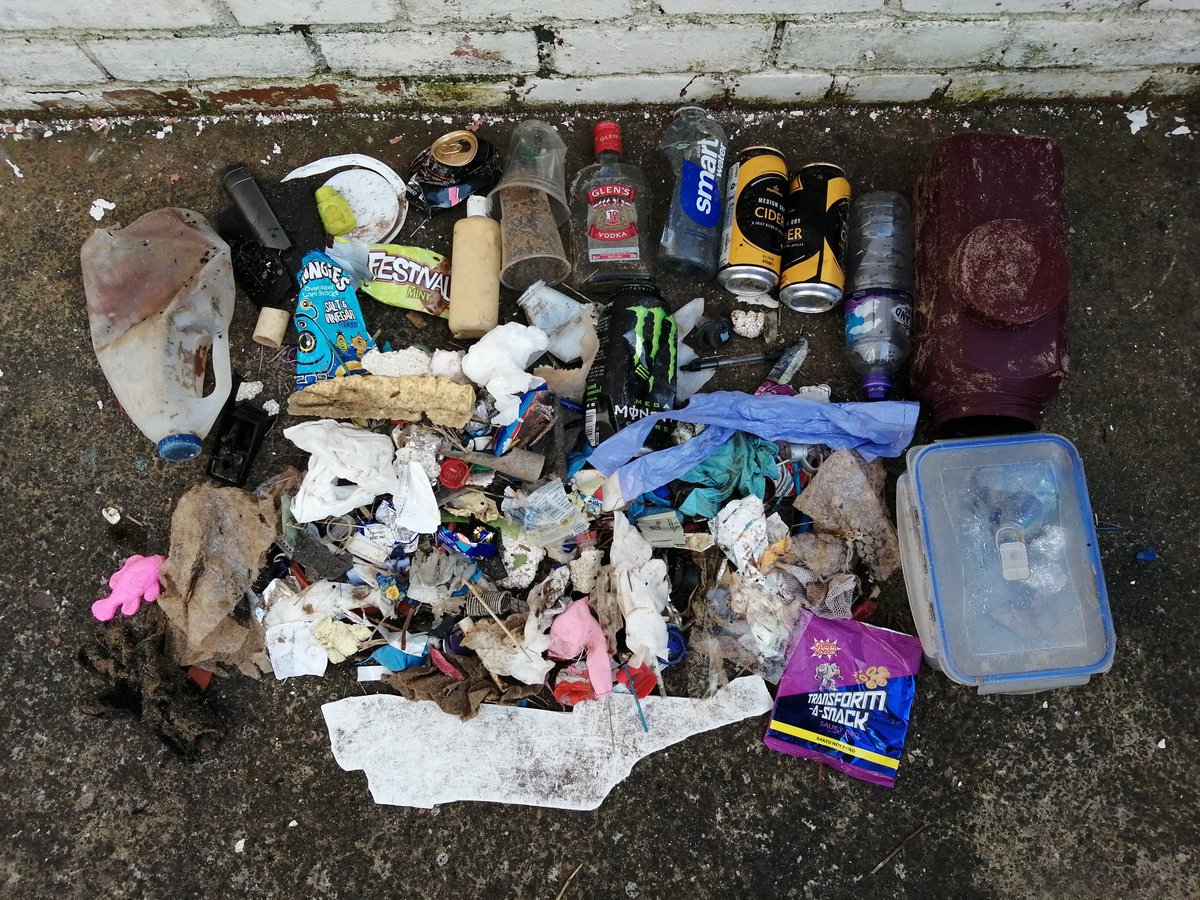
<point x="532" y="757"/>
<point x="498" y="360"/>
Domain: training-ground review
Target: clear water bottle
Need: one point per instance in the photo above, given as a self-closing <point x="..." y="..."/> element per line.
<point x="879" y="300"/>
<point x="695" y="147"/>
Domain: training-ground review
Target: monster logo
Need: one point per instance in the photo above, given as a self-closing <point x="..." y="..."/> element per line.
<point x="649" y="324"/>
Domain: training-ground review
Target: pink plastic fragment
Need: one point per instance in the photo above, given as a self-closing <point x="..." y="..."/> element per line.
<point x="135" y="581"/>
<point x="575" y="630"/>
<point x="444" y="665"/>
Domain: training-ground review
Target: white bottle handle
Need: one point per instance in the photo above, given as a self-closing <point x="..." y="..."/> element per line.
<point x="223" y="381"/>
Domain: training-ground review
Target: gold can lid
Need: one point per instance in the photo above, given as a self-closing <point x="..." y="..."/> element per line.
<point x="760" y="150"/>
<point x="827" y="165"/>
<point x="454" y="149"/>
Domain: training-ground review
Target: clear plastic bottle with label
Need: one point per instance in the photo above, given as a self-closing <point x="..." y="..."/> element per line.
<point x="695" y="147"/>
<point x="879" y="300"/>
<point x="609" y="202"/>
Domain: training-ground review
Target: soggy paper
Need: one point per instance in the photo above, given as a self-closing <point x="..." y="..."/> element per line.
<point x="531" y="757"/>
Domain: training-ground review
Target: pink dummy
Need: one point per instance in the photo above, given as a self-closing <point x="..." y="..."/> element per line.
<point x="135" y="581"/>
<point x="575" y="630"/>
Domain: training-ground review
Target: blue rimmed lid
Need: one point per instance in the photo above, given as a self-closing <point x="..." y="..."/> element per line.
<point x="1017" y="588"/>
<point x="180" y="447"/>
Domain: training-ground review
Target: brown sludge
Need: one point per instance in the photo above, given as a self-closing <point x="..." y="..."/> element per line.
<point x="129" y="670"/>
<point x="403" y="397"/>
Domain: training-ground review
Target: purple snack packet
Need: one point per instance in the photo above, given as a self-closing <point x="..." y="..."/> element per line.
<point x="845" y="697"/>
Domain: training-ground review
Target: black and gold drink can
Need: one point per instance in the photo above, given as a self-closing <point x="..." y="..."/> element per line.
<point x="754" y="219"/>
<point x="814" y="241"/>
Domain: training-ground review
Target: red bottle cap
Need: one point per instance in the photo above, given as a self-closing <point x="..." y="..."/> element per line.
<point x="454" y="473"/>
<point x="607" y="135"/>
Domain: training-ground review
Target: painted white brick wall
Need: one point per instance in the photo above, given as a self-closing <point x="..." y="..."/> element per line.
<point x="313" y="12"/>
<point x="727" y="47"/>
<point x="476" y="12"/>
<point x="999" y="7"/>
<point x="781" y="87"/>
<point x="107" y="14"/>
<point x="1111" y="42"/>
<point x="629" y="89"/>
<point x="769" y="7"/>
<point x="890" y="87"/>
<point x="887" y="44"/>
<point x="46" y="62"/>
<point x="1156" y="5"/>
<point x="128" y="55"/>
<point x="383" y="54"/>
<point x="1047" y="83"/>
<point x="192" y="58"/>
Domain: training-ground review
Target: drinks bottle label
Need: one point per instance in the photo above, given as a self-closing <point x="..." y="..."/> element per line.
<point x="612" y="233"/>
<point x="700" y="183"/>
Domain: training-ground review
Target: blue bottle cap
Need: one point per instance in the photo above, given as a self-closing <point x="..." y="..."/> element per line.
<point x="180" y="447"/>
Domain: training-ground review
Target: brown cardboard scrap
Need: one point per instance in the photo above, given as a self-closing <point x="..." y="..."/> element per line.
<point x="219" y="541"/>
<point x="407" y="397"/>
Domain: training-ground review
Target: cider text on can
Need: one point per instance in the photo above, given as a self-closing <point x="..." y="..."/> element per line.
<point x="814" y="243"/>
<point x="754" y="222"/>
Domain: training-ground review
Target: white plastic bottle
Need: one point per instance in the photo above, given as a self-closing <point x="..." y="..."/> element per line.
<point x="475" y="271"/>
<point x="160" y="299"/>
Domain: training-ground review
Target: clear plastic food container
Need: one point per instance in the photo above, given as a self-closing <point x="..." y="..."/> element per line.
<point x="1001" y="563"/>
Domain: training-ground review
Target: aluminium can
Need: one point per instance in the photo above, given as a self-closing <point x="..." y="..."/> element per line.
<point x="752" y="242"/>
<point x="814" y="243"/>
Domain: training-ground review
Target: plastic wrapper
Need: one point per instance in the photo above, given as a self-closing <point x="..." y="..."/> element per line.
<point x="846" y="696"/>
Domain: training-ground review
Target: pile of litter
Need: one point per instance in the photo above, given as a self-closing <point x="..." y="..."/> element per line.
<point x="553" y="551"/>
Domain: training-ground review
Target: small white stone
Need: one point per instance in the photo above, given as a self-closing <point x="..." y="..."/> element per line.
<point x="1162" y="745"/>
<point x="239" y="845"/>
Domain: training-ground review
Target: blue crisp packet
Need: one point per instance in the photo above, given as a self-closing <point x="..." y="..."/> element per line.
<point x="329" y="321"/>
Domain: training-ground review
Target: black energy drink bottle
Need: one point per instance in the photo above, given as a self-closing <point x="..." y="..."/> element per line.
<point x="634" y="372"/>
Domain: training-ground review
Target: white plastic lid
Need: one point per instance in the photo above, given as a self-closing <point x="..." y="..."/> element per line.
<point x="479" y="205"/>
<point x="1016" y="597"/>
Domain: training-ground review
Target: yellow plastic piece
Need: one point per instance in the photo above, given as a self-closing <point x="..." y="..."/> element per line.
<point x="335" y="212"/>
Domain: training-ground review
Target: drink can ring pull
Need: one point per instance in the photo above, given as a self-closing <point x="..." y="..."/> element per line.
<point x="1014" y="555"/>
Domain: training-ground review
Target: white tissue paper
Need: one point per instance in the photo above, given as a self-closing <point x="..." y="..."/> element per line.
<point x="642" y="593"/>
<point x="498" y="360"/>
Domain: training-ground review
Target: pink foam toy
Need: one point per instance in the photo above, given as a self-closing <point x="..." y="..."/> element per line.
<point x="575" y="630"/>
<point x="135" y="581"/>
